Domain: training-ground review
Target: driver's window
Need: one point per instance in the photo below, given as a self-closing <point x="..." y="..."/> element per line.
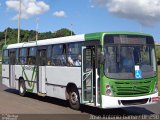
<point x="127" y="59"/>
<point x="145" y="56"/>
<point x="110" y="59"/>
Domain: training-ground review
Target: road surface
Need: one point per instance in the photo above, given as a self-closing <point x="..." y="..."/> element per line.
<point x="12" y="103"/>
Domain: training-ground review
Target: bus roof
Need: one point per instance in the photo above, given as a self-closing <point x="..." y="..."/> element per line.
<point x="99" y="35"/>
<point x="68" y="39"/>
<point x="75" y="38"/>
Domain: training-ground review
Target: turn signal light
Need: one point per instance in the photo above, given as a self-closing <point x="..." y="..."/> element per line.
<point x="155" y="99"/>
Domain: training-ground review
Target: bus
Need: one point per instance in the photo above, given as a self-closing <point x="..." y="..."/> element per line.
<point x="104" y="70"/>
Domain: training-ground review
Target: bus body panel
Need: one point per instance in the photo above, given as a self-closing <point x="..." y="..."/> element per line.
<point x="61" y="76"/>
<point x="16" y="84"/>
<point x="18" y="74"/>
<point x="12" y="76"/>
<point x="57" y="79"/>
<point x="5" y="75"/>
<point x="56" y="91"/>
<point x="18" y="71"/>
<point x="42" y="79"/>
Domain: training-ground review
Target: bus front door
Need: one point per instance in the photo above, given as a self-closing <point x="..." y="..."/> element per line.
<point x="89" y="83"/>
<point x="12" y="56"/>
<point x="41" y="72"/>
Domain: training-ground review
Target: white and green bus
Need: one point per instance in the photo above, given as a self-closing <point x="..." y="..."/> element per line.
<point x="105" y="70"/>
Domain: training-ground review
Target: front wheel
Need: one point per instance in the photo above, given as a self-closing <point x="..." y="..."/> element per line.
<point x="74" y="100"/>
<point x="22" y="88"/>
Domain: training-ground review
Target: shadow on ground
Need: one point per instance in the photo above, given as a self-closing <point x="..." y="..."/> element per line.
<point x="136" y="111"/>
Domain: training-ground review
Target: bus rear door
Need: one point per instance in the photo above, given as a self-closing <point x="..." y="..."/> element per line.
<point x="41" y="62"/>
<point x="12" y="57"/>
<point x="5" y="68"/>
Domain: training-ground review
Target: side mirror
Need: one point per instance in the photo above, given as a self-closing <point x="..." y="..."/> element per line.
<point x="102" y="58"/>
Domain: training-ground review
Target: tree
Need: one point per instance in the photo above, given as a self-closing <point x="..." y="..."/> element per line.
<point x="63" y="32"/>
<point x="158" y="54"/>
<point x="45" y="35"/>
<point x="2" y="36"/>
<point x="27" y="35"/>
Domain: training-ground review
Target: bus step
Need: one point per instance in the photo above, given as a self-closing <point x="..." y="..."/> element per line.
<point x="41" y="94"/>
<point x="90" y="104"/>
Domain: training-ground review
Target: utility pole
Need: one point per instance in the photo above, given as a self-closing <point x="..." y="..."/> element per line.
<point x="71" y="29"/>
<point x="6" y="36"/>
<point x="37" y="25"/>
<point x="19" y="18"/>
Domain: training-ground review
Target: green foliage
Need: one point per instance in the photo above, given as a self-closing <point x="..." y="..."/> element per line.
<point x="158" y="54"/>
<point x="45" y="35"/>
<point x="27" y="35"/>
<point x="63" y="32"/>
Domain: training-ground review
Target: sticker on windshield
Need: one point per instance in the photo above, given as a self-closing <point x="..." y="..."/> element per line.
<point x="138" y="72"/>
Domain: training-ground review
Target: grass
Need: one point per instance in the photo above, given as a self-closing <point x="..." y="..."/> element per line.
<point x="0" y="69"/>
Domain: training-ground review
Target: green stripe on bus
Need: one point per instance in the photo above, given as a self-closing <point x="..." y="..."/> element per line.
<point x="31" y="83"/>
<point x="98" y="35"/>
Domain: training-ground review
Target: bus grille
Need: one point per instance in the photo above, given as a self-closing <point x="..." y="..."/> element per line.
<point x="134" y="102"/>
<point x="131" y="88"/>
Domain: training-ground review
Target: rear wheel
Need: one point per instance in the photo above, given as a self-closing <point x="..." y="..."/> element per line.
<point x="74" y="100"/>
<point x="22" y="88"/>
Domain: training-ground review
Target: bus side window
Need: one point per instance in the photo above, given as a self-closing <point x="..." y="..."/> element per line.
<point x="42" y="57"/>
<point x="12" y="56"/>
<point x="110" y="59"/>
<point x="5" y="57"/>
<point x="23" y="56"/>
<point x="49" y="55"/>
<point x="32" y="56"/>
<point x="74" y="54"/>
<point x="58" y="55"/>
<point x="17" y="56"/>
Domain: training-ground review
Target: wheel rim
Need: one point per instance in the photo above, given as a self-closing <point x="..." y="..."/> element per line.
<point x="74" y="98"/>
<point x="21" y="88"/>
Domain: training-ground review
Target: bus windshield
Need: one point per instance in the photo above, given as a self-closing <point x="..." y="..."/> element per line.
<point x="122" y="61"/>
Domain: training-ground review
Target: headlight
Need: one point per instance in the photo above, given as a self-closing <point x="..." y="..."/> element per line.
<point x="108" y="90"/>
<point x="156" y="87"/>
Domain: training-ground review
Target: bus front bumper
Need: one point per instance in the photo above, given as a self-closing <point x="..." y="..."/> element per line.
<point x="118" y="102"/>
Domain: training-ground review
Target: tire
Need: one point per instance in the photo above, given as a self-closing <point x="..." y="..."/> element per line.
<point x="22" y="88"/>
<point x="74" y="100"/>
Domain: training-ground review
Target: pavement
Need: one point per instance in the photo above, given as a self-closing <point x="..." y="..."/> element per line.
<point x="12" y="103"/>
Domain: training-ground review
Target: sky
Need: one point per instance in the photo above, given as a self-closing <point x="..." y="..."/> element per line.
<point x="83" y="16"/>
